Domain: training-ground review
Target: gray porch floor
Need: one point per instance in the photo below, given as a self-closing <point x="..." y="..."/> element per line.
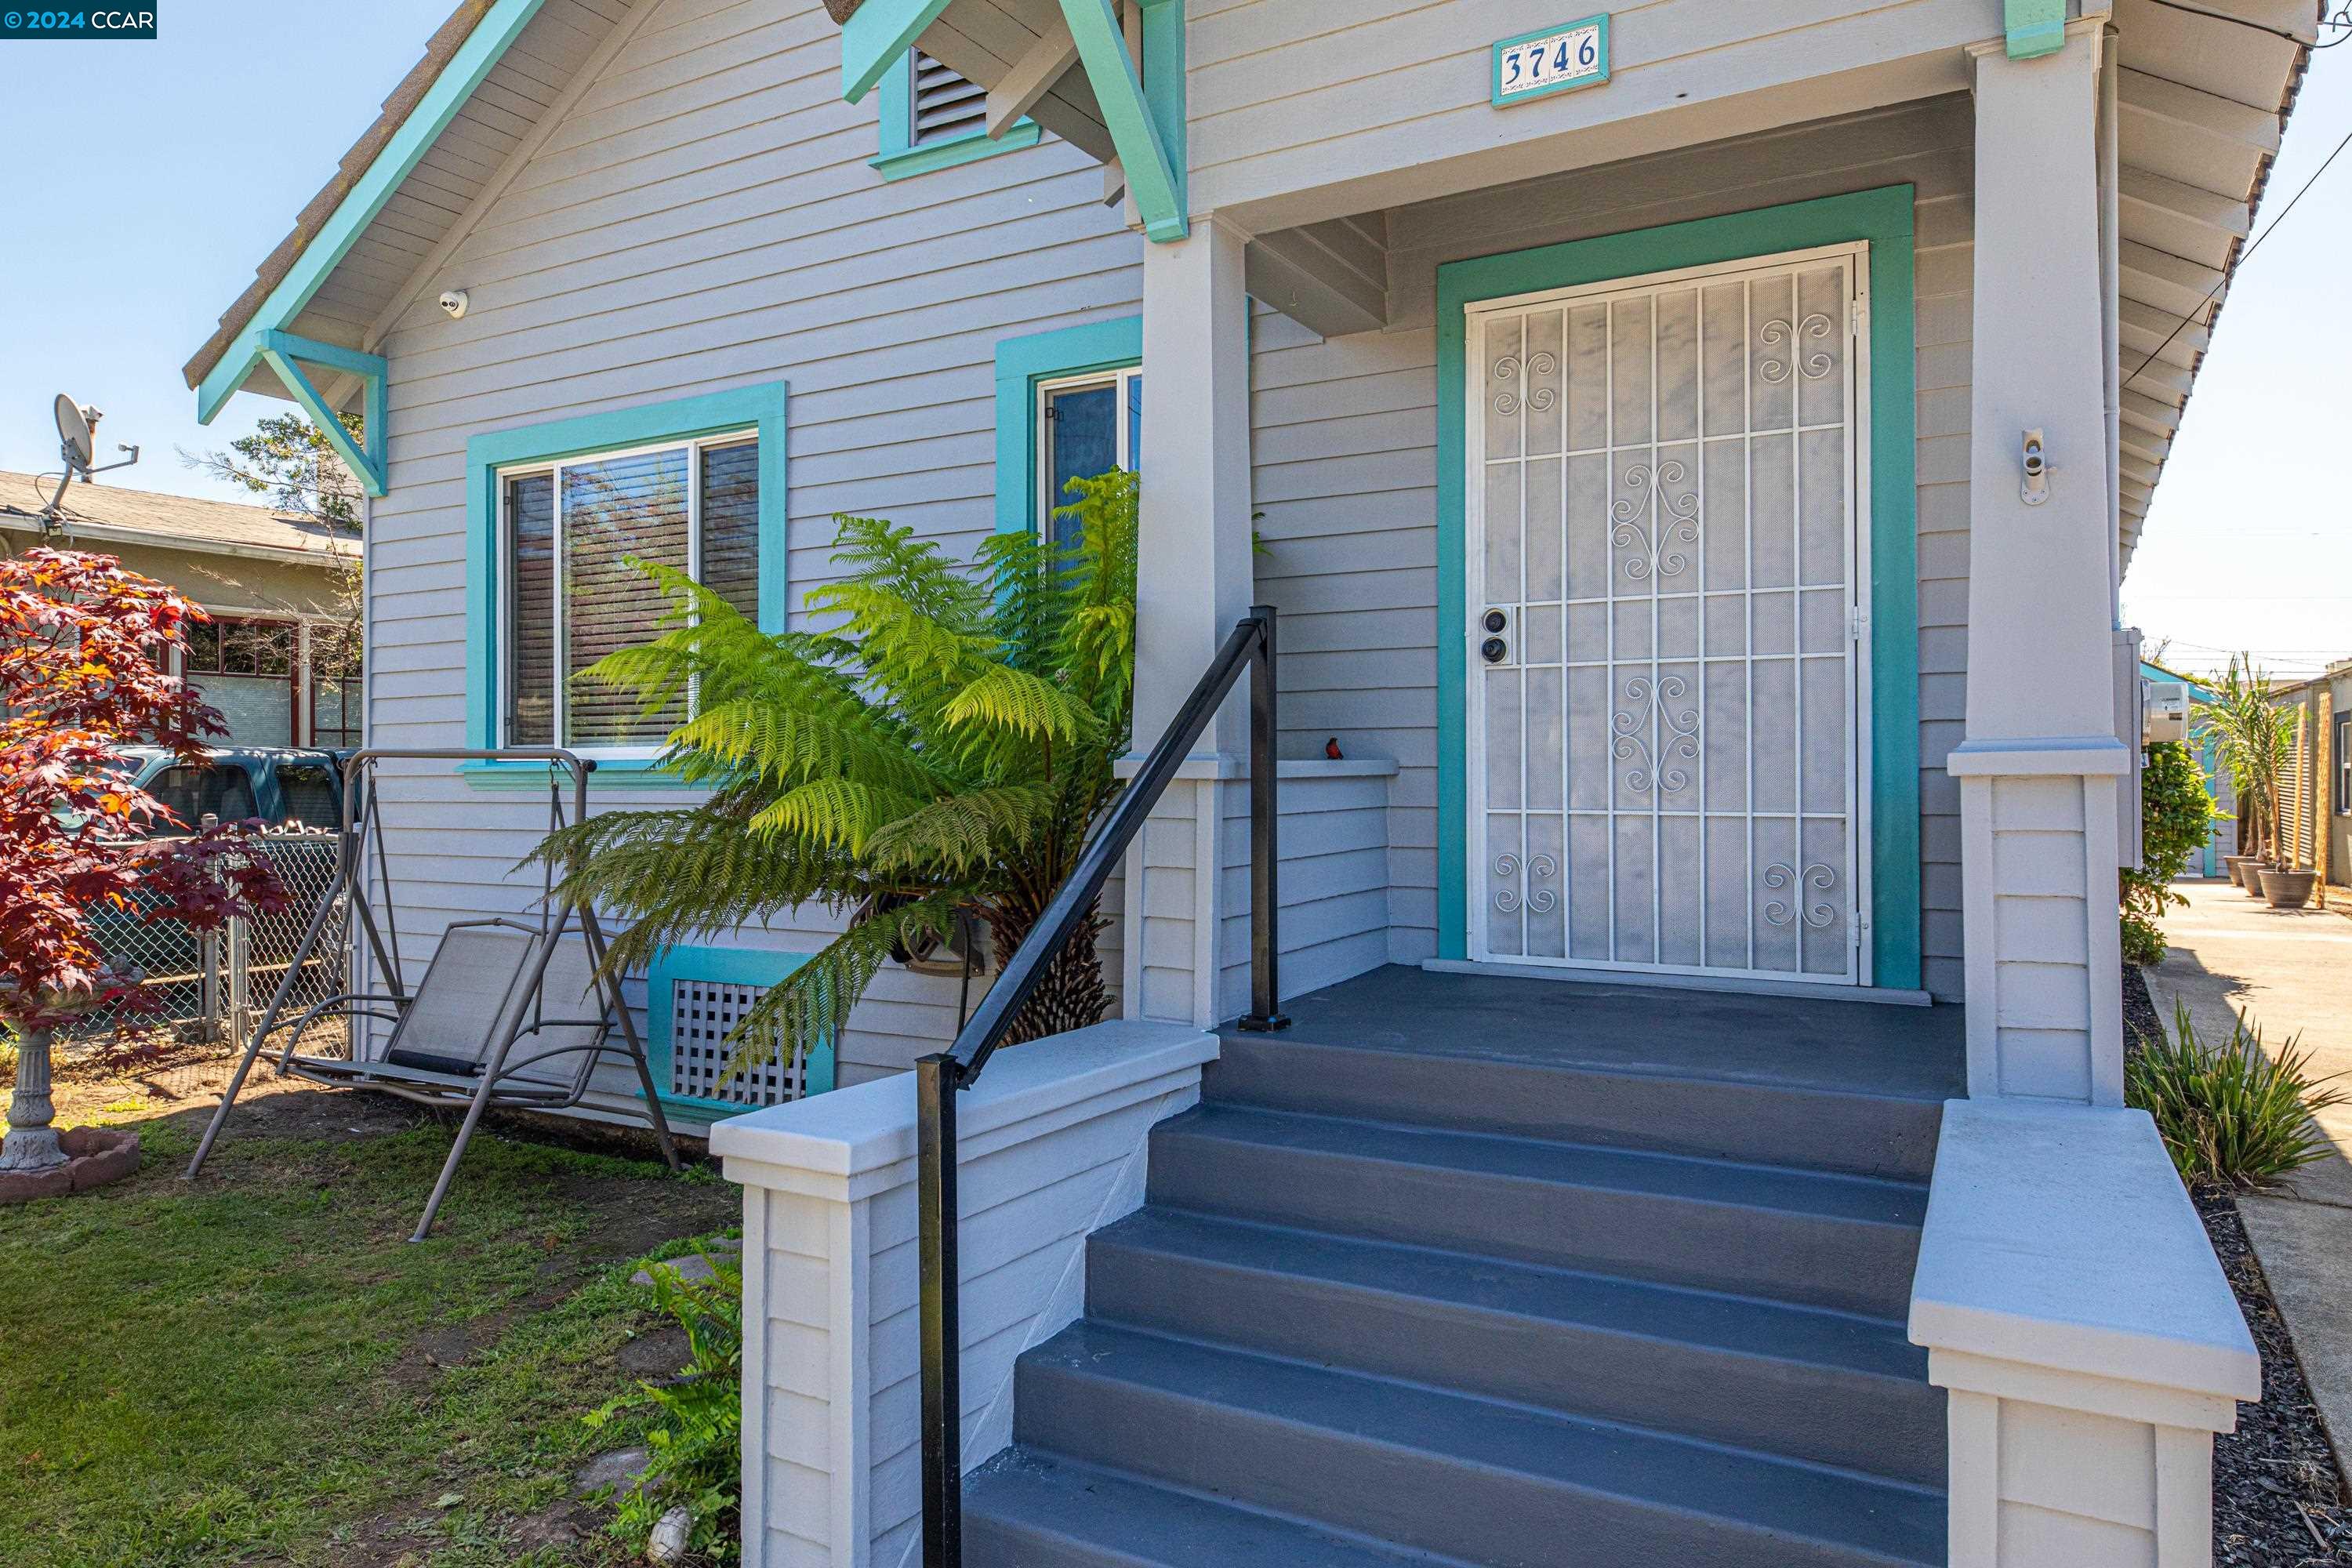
<point x="1898" y="1052"/>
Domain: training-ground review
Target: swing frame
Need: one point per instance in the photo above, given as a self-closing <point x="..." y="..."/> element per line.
<point x="494" y="1081"/>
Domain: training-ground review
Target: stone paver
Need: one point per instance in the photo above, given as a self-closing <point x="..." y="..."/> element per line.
<point x="2291" y="970"/>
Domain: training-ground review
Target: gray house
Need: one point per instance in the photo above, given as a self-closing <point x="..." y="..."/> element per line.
<point x="1695" y="448"/>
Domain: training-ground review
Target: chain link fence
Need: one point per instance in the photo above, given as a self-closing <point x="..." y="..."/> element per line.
<point x="213" y="986"/>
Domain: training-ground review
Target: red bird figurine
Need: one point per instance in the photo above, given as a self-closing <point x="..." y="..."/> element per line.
<point x="1332" y="748"/>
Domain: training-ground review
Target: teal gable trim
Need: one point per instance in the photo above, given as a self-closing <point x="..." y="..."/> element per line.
<point x="725" y="966"/>
<point x="1156" y="183"/>
<point x="900" y="157"/>
<point x="482" y="49"/>
<point x="286" y="354"/>
<point x="1021" y="364"/>
<point x="2035" y="28"/>
<point x="1882" y="217"/>
<point x="877" y="36"/>
<point x="683" y="419"/>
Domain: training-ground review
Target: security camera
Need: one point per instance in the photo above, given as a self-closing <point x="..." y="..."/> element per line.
<point x="454" y="302"/>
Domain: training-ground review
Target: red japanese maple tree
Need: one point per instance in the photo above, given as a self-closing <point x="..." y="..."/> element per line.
<point x="81" y="676"/>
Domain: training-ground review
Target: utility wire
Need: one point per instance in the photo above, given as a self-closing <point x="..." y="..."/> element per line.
<point x="2268" y="229"/>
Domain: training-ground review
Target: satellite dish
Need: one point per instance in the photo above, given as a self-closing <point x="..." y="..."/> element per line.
<point x="77" y="431"/>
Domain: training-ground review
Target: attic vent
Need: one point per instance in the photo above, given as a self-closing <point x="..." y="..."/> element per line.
<point x="702" y="1012"/>
<point x="947" y="107"/>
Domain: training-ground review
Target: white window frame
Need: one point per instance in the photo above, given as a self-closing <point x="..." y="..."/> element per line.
<point x="1117" y="380"/>
<point x="694" y="447"/>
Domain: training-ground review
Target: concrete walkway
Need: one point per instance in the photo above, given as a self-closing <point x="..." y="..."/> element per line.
<point x="2290" y="970"/>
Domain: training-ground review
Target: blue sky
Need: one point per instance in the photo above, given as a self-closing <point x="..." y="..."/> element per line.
<point x="171" y="168"/>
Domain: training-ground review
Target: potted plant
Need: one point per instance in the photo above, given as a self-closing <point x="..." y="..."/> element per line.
<point x="2251" y="736"/>
<point x="2230" y="868"/>
<point x="2287" y="887"/>
<point x="81" y="676"/>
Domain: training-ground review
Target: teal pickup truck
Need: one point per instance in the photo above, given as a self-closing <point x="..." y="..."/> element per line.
<point x="283" y="787"/>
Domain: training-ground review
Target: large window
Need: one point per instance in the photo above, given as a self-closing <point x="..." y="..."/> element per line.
<point x="1086" y="424"/>
<point x="569" y="531"/>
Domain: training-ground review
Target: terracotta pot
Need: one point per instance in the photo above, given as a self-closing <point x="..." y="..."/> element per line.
<point x="2288" y="889"/>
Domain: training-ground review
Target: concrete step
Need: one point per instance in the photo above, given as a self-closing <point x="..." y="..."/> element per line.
<point x="1026" y="1509"/>
<point x="1841" y="1242"/>
<point x="1827" y="1387"/>
<point x="1425" y="1469"/>
<point x="1770" y="1111"/>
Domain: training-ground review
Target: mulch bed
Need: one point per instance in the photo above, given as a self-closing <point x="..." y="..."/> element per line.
<point x="2279" y="1499"/>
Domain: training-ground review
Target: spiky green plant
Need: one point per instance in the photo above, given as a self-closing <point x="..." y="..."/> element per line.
<point x="2253" y="736"/>
<point x="942" y="748"/>
<point x="2231" y="1112"/>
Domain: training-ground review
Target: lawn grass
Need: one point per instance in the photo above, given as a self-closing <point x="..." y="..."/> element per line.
<point x="260" y="1368"/>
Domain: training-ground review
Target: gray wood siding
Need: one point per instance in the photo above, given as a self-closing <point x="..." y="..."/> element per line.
<point x="1295" y="108"/>
<point x="1345" y="464"/>
<point x="704" y="217"/>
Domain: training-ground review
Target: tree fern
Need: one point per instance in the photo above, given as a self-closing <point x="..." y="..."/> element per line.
<point x="943" y="747"/>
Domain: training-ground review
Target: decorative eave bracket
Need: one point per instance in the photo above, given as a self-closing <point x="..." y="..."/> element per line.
<point x="286" y="354"/>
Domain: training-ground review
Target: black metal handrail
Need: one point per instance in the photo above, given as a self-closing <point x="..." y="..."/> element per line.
<point x="937" y="1078"/>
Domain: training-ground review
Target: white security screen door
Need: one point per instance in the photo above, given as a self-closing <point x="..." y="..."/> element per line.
<point x="1668" y="662"/>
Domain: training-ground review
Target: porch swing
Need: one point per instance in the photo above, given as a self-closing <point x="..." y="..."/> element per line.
<point x="495" y="988"/>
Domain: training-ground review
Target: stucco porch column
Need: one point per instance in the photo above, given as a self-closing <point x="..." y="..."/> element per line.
<point x="2040" y="763"/>
<point x="1194" y="582"/>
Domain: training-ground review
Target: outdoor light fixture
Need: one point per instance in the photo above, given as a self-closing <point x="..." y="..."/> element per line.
<point x="2036" y="488"/>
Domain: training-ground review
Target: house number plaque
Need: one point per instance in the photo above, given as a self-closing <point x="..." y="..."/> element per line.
<point x="1574" y="54"/>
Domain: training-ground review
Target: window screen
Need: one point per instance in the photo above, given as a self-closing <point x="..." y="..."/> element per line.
<point x="1092" y="424"/>
<point x="693" y="507"/>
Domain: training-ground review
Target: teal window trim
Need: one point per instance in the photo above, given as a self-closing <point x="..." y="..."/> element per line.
<point x="1881" y="218"/>
<point x="724" y="966"/>
<point x="481" y="51"/>
<point x="610" y="773"/>
<point x="1021" y="364"/>
<point x="2034" y="27"/>
<point x="902" y="157"/>
<point x="760" y="407"/>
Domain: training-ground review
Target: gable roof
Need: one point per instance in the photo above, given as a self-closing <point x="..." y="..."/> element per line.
<point x="492" y="81"/>
<point x="403" y="102"/>
<point x="110" y="514"/>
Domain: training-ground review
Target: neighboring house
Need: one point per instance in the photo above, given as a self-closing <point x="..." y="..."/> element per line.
<point x="281" y="658"/>
<point x="1695" y="501"/>
<point x="2223" y="839"/>
<point x="2315" y="788"/>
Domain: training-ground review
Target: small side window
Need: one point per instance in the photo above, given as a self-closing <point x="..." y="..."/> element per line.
<point x="310" y="795"/>
<point x="193" y="794"/>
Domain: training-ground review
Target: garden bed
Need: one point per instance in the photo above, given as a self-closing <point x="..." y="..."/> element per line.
<point x="2279" y="1499"/>
<point x="258" y="1369"/>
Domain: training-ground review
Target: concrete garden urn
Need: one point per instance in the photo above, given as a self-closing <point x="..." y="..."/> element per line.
<point x="37" y="1161"/>
<point x="2288" y="889"/>
<point x="2230" y="867"/>
<point x="2250" y="876"/>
